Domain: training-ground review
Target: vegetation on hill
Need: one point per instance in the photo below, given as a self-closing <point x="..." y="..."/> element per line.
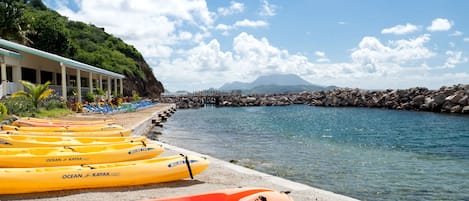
<point x="31" y="23"/>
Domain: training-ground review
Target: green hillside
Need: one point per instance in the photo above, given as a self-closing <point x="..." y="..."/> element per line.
<point x="32" y="23"/>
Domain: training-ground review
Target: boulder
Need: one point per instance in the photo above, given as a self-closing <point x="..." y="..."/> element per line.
<point x="454" y="98"/>
<point x="418" y="100"/>
<point x="456" y="109"/>
<point x="465" y="110"/>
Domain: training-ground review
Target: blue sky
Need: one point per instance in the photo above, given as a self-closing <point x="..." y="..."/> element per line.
<point x="195" y="45"/>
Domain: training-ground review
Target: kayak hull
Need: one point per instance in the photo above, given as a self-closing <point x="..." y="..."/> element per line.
<point x="237" y="194"/>
<point x="20" y="141"/>
<point x="115" y="133"/>
<point x="85" y="128"/>
<point x="156" y="170"/>
<point x="77" y="155"/>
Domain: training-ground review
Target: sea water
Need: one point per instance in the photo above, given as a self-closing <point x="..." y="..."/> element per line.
<point x="368" y="154"/>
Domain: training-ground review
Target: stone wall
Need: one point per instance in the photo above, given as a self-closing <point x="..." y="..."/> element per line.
<point x="453" y="99"/>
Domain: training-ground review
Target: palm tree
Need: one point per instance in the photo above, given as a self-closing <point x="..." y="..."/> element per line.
<point x="36" y="94"/>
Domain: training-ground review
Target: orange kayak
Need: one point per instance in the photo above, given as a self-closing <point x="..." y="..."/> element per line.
<point x="116" y="133"/>
<point x="75" y="128"/>
<point x="237" y="194"/>
<point x="57" y="123"/>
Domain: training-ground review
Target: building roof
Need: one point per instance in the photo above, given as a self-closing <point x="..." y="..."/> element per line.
<point x="10" y="53"/>
<point x="68" y="62"/>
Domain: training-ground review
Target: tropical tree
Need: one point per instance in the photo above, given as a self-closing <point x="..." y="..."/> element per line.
<point x="36" y="93"/>
<point x="12" y="24"/>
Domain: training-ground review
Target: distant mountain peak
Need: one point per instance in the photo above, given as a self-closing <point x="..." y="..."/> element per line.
<point x="272" y="79"/>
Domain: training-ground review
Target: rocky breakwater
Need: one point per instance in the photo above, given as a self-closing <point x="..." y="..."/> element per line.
<point x="447" y="99"/>
<point x="453" y="99"/>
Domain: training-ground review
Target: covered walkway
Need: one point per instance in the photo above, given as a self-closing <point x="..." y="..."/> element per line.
<point x="19" y="62"/>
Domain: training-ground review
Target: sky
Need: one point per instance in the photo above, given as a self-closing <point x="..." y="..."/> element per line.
<point x="199" y="44"/>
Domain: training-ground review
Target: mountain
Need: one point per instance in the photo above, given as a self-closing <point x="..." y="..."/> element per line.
<point x="275" y="83"/>
<point x="39" y="27"/>
<point x="274" y="79"/>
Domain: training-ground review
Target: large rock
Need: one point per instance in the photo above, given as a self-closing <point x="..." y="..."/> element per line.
<point x="418" y="100"/>
<point x="456" y="109"/>
<point x="465" y="110"/>
<point x="454" y="98"/>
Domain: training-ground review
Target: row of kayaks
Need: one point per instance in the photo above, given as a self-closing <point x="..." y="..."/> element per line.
<point x="38" y="155"/>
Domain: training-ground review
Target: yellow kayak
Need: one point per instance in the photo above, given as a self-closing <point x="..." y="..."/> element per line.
<point x="46" y="123"/>
<point x="18" y="141"/>
<point x="156" y="170"/>
<point x="116" y="133"/>
<point x="64" y="128"/>
<point x="76" y="155"/>
<point x="32" y="119"/>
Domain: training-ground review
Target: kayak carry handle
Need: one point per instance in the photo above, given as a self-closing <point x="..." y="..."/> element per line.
<point x="88" y="166"/>
<point x="188" y="166"/>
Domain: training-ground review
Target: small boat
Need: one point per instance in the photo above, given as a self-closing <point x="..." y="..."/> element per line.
<point x="19" y="141"/>
<point x="116" y="133"/>
<point x="33" y="122"/>
<point x="76" y="155"/>
<point x="155" y="170"/>
<point x="64" y="128"/>
<point x="237" y="194"/>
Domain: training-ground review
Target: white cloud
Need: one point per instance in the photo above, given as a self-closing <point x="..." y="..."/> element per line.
<point x="154" y="27"/>
<point x="175" y="38"/>
<point x="440" y="24"/>
<point x="456" y="33"/>
<point x="250" y="23"/>
<point x="371" y="52"/>
<point x="235" y="7"/>
<point x="239" y="24"/>
<point x="321" y="57"/>
<point x="400" y="29"/>
<point x="453" y="59"/>
<point x="267" y="9"/>
<point x="396" y="64"/>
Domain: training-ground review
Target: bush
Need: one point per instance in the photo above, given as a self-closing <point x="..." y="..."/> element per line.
<point x="3" y="110"/>
<point x="136" y="97"/>
<point x="89" y="97"/>
<point x="54" y="102"/>
<point x="21" y="106"/>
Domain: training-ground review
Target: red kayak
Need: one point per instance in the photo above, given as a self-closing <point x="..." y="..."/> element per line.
<point x="236" y="194"/>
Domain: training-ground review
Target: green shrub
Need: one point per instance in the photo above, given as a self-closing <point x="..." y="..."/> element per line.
<point x="3" y="110"/>
<point x="20" y="105"/>
<point x="54" y="102"/>
<point x="136" y="97"/>
<point x="100" y="92"/>
<point x="89" y="97"/>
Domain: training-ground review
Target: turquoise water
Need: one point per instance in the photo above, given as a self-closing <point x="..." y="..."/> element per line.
<point x="369" y="154"/>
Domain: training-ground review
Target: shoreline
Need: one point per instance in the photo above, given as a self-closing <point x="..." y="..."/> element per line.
<point x="220" y="174"/>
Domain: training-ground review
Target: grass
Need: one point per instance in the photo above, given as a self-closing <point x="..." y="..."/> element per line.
<point x="53" y="113"/>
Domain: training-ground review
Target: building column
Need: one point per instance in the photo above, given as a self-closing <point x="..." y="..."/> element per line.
<point x="100" y="84"/>
<point x="64" y="81"/>
<point x="90" y="82"/>
<point x="121" y="87"/>
<point x="79" y="85"/>
<point x="108" y="89"/>
<point x="16" y="71"/>
<point x="115" y="86"/>
<point x="38" y="76"/>
<point x="4" y="78"/>
<point x="4" y="72"/>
